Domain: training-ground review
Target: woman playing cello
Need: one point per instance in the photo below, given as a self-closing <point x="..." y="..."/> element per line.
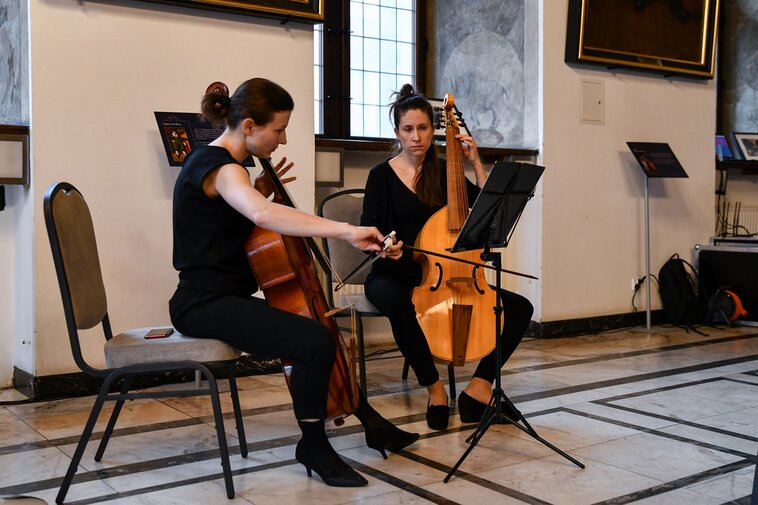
<point x="215" y="209"/>
<point x="402" y="194"/>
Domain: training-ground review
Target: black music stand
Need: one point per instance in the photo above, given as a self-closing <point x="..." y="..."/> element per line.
<point x="490" y="224"/>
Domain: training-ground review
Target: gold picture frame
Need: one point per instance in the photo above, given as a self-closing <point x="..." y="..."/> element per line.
<point x="672" y="37"/>
<point x="308" y="11"/>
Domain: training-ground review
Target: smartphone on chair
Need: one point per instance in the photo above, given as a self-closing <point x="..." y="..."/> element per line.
<point x="159" y="333"/>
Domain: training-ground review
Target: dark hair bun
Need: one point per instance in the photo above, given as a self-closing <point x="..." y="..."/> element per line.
<point x="217" y="95"/>
<point x="406" y="90"/>
<point x="217" y="88"/>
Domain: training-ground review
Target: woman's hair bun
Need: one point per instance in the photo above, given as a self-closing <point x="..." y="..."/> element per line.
<point x="217" y="88"/>
<point x="218" y="93"/>
<point x="406" y="90"/>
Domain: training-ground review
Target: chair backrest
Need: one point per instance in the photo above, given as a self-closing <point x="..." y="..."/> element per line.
<point x="345" y="206"/>
<point x="77" y="264"/>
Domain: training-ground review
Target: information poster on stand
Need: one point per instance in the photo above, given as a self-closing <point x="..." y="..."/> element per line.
<point x="181" y="132"/>
<point x="657" y="159"/>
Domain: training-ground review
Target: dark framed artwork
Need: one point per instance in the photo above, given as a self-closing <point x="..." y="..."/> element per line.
<point x="747" y="143"/>
<point x="309" y="11"/>
<point x="672" y="37"/>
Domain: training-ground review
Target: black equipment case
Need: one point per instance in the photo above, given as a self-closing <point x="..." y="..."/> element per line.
<point x="731" y="264"/>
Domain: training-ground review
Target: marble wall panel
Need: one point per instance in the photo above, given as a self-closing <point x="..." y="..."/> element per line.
<point x="478" y="55"/>
<point x="14" y="57"/>
<point x="738" y="89"/>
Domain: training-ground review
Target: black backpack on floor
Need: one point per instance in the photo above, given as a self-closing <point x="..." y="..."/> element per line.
<point x="679" y="289"/>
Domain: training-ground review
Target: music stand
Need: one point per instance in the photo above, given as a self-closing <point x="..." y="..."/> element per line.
<point x="656" y="160"/>
<point x="490" y="224"/>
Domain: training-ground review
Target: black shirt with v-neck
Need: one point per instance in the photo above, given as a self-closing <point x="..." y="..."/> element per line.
<point x="391" y="205"/>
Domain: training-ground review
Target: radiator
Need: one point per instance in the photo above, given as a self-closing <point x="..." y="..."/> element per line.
<point x="736" y="219"/>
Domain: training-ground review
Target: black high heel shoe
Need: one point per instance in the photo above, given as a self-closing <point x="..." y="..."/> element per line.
<point x="381" y="434"/>
<point x="390" y="438"/>
<point x="437" y="416"/>
<point x="328" y="465"/>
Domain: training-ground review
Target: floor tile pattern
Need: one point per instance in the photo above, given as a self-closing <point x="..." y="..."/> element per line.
<point x="658" y="417"/>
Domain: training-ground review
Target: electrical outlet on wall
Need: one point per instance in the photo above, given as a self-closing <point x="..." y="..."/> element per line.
<point x="637" y="282"/>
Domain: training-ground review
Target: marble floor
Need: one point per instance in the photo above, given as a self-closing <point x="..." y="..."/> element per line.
<point x="657" y="417"/>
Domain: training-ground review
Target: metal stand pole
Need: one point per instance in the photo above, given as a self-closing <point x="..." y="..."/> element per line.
<point x="647" y="250"/>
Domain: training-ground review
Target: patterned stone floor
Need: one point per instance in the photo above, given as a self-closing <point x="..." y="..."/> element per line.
<point x="657" y="417"/>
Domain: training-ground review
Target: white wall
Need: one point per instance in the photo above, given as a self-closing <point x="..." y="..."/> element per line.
<point x="16" y="293"/>
<point x="592" y="201"/>
<point x="6" y="290"/>
<point x="98" y="73"/>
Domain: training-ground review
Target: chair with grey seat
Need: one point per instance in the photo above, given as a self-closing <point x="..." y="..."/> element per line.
<point x="347" y="206"/>
<point x="128" y="355"/>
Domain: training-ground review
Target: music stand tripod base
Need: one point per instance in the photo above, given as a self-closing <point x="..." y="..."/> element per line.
<point x="489" y="224"/>
<point x="494" y="414"/>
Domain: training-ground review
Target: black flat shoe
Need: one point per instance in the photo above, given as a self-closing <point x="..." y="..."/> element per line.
<point x="469" y="409"/>
<point x="328" y="465"/>
<point x="437" y="416"/>
<point x="472" y="410"/>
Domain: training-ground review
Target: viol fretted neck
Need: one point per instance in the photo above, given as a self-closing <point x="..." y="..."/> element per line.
<point x="457" y="198"/>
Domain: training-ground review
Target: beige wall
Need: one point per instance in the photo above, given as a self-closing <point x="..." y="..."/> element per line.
<point x="592" y="201"/>
<point x="98" y="73"/>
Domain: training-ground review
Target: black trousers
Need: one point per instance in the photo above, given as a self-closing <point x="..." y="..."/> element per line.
<point x="392" y="297"/>
<point x="250" y="325"/>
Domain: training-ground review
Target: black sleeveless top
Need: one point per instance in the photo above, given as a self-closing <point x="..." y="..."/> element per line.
<point x="209" y="235"/>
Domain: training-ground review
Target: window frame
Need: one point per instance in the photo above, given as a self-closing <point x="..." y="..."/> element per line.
<point x="336" y="67"/>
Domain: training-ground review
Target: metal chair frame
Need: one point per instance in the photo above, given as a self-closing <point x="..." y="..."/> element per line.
<point x="128" y="374"/>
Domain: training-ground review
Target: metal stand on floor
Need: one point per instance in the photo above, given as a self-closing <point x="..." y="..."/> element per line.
<point x="656" y="160"/>
<point x="494" y="413"/>
<point x="489" y="225"/>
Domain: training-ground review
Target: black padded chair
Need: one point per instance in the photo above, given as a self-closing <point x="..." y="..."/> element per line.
<point x="347" y="206"/>
<point x="128" y="355"/>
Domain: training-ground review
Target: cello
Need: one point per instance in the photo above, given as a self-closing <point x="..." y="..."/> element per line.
<point x="454" y="303"/>
<point x="286" y="274"/>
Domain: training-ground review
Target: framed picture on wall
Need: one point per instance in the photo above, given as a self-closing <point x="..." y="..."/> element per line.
<point x="311" y="11"/>
<point x="747" y="143"/>
<point x="14" y="155"/>
<point x="676" y="37"/>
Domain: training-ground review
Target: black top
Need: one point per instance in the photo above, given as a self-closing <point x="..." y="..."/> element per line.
<point x="391" y="205"/>
<point x="209" y="235"/>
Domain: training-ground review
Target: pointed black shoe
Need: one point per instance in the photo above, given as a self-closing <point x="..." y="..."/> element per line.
<point x="437" y="416"/>
<point x="315" y="452"/>
<point x="328" y="465"/>
<point x="381" y="434"/>
<point x="471" y="410"/>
